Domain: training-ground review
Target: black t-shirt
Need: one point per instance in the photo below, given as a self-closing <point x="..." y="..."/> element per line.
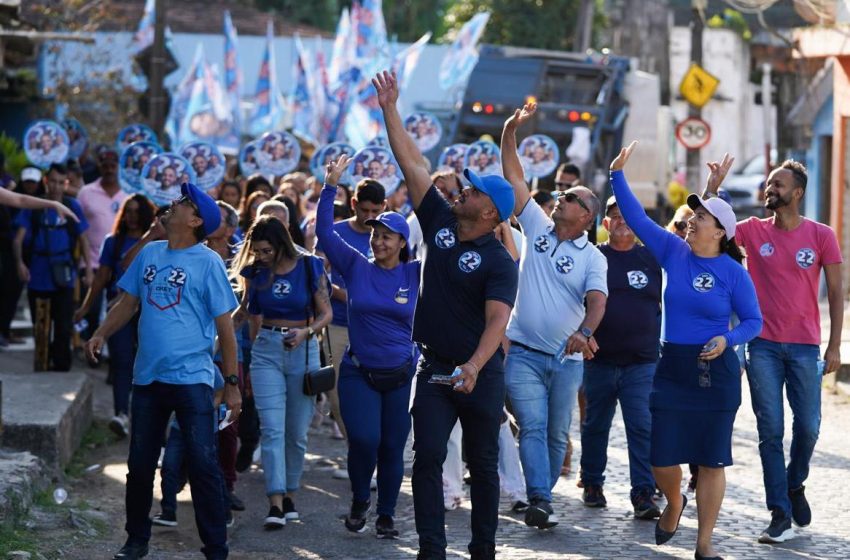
<point x="457" y="279"/>
<point x="630" y="330"/>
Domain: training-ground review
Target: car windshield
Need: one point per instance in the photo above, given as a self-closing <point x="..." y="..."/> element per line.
<point x="755" y="166"/>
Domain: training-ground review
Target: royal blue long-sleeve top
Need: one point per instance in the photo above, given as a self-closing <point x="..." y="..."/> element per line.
<point x="381" y="302"/>
<point x="699" y="293"/>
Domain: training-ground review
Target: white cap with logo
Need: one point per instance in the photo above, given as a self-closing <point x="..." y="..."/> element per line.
<point x="31" y="174"/>
<point x="718" y="208"/>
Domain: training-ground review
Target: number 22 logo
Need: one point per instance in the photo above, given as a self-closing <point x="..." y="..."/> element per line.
<point x="703" y="282"/>
<point x="177" y="277"/>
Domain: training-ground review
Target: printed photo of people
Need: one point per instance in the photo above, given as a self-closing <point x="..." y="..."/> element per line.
<point x="375" y="163"/>
<point x="452" y="159"/>
<point x="78" y="138"/>
<point x="163" y="175"/>
<point x="484" y="158"/>
<point x="135" y="133"/>
<point x="425" y="130"/>
<point x="46" y="142"/>
<point x="131" y="163"/>
<point x="539" y="155"/>
<point x="248" y="159"/>
<point x="278" y="153"/>
<point x="207" y="162"/>
<point x="327" y="154"/>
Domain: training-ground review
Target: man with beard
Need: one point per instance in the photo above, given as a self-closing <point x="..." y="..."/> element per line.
<point x="785" y="255"/>
<point x="468" y="288"/>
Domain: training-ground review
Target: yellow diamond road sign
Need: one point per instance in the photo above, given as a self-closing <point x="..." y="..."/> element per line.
<point x="698" y="86"/>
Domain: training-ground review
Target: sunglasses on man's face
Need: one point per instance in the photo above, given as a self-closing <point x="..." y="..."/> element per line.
<point x="573" y="197"/>
<point x="187" y="201"/>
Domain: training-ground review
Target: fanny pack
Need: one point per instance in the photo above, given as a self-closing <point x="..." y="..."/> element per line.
<point x="62" y="274"/>
<point x="382" y="379"/>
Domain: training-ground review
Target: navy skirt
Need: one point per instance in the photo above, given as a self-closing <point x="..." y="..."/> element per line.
<point x="692" y="423"/>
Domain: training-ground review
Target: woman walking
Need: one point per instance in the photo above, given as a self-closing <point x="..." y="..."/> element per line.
<point x="377" y="368"/>
<point x="696" y="391"/>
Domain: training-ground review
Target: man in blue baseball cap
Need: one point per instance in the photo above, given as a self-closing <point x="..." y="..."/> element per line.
<point x="468" y="288"/>
<point x="185" y="300"/>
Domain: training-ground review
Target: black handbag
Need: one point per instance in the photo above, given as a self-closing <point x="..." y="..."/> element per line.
<point x="62" y="274"/>
<point x="323" y="379"/>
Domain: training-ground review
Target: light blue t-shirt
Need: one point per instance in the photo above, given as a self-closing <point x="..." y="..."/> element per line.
<point x="554" y="277"/>
<point x="180" y="292"/>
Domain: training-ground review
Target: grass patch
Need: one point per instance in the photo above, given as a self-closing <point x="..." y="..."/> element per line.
<point x="98" y="435"/>
<point x="13" y="538"/>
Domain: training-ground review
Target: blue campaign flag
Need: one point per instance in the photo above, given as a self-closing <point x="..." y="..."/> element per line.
<point x="268" y="104"/>
<point x="463" y="54"/>
<point x="182" y="95"/>
<point x="144" y="34"/>
<point x="232" y="72"/>
<point x="305" y="117"/>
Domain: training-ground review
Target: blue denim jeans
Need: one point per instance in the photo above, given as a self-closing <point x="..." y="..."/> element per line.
<point x="543" y="393"/>
<point x="770" y="365"/>
<point x="122" y="356"/>
<point x="604" y="385"/>
<point x="277" y="376"/>
<point x="173" y="471"/>
<point x="151" y="409"/>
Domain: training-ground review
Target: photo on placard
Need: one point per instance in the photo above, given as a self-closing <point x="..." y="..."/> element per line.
<point x="452" y="159"/>
<point x="327" y="154"/>
<point x="207" y="162"/>
<point x="539" y="156"/>
<point x="78" y="138"/>
<point x="484" y="158"/>
<point x="132" y="161"/>
<point x="135" y="133"/>
<point x="162" y="176"/>
<point x="45" y="143"/>
<point x="425" y="129"/>
<point x="278" y="153"/>
<point x="378" y="164"/>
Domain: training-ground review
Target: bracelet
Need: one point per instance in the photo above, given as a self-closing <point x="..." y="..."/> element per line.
<point x="310" y="332"/>
<point x="477" y="369"/>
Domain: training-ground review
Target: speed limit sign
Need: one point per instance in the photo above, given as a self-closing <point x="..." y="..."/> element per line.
<point x="693" y="133"/>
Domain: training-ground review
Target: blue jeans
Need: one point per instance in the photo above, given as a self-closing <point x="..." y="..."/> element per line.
<point x="435" y="410"/>
<point x="770" y="365"/>
<point x="122" y="356"/>
<point x="277" y="376"/>
<point x="604" y="384"/>
<point x="543" y="393"/>
<point x="173" y="471"/>
<point x="152" y="408"/>
<point x="378" y="425"/>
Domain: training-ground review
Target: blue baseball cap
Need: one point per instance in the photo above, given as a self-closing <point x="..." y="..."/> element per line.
<point x="392" y="221"/>
<point x="497" y="188"/>
<point x="207" y="208"/>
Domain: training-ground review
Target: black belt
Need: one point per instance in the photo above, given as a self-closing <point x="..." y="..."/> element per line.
<point x="529" y="348"/>
<point x="433" y="356"/>
<point x="281" y="330"/>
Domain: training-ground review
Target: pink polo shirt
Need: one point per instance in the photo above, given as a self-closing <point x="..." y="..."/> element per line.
<point x="100" y="210"/>
<point x="785" y="267"/>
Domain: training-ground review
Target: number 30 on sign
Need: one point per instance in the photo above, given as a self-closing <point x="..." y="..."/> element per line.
<point x="693" y="133"/>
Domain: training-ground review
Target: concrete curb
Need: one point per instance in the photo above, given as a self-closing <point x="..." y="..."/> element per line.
<point x="22" y="476"/>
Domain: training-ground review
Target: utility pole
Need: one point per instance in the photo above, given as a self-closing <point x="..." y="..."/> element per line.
<point x="693" y="156"/>
<point x="157" y="75"/>
<point x="584" y="26"/>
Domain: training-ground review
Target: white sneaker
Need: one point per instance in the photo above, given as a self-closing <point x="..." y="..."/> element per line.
<point x="340" y="474"/>
<point x="373" y="485"/>
<point x="120" y="425"/>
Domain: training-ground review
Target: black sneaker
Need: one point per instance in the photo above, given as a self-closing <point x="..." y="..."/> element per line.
<point x="801" y="513"/>
<point x="539" y="514"/>
<point x="131" y="552"/>
<point x="779" y="530"/>
<point x="385" y="528"/>
<point x="356" y="519"/>
<point x="289" y="510"/>
<point x="275" y="519"/>
<point x="519" y="507"/>
<point x="593" y="496"/>
<point x="645" y="507"/>
<point x="236" y="504"/>
<point x="165" y="519"/>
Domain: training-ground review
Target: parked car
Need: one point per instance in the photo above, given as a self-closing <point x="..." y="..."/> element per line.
<point x="746" y="187"/>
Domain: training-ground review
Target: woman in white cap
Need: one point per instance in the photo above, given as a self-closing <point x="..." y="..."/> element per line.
<point x="696" y="391"/>
<point x="379" y="363"/>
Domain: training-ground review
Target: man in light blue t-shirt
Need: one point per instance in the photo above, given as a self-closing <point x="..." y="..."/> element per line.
<point x="185" y="299"/>
<point x="559" y="271"/>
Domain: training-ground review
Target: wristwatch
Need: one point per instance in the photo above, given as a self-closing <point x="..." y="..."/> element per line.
<point x="310" y="332"/>
<point x="586" y="332"/>
<point x="232" y="380"/>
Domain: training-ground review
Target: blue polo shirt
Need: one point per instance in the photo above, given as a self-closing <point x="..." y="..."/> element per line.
<point x="458" y="279"/>
<point x="359" y="241"/>
<point x="630" y="330"/>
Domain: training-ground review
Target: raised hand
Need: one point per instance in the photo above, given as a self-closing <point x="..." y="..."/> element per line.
<point x="387" y="85"/>
<point x="521" y="116"/>
<point x="621" y="159"/>
<point x="66" y="212"/>
<point x="717" y="172"/>
<point x="335" y="169"/>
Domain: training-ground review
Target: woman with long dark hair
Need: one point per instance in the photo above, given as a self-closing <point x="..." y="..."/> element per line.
<point x="696" y="390"/>
<point x="248" y="210"/>
<point x="134" y="218"/>
<point x="287" y="299"/>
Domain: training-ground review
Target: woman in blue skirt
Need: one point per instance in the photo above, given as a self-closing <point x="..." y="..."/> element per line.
<point x="697" y="387"/>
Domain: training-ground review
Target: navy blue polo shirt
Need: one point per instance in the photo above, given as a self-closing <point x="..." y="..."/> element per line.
<point x="630" y="330"/>
<point x="457" y="280"/>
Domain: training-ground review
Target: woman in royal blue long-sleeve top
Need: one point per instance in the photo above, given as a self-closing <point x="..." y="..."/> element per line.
<point x="377" y="368"/>
<point x="697" y="387"/>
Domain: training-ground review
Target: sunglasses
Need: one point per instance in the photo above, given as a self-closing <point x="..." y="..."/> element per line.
<point x="573" y="197"/>
<point x="187" y="200"/>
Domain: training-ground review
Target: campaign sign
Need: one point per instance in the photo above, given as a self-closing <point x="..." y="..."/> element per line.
<point x="539" y="155"/>
<point x="207" y="162"/>
<point x="376" y="163"/>
<point x="131" y="163"/>
<point x="425" y="129"/>
<point x="327" y="154"/>
<point x="162" y="176"/>
<point x="277" y="153"/>
<point x="45" y="143"/>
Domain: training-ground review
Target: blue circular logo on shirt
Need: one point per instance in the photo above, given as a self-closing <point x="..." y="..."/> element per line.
<point x="637" y="279"/>
<point x="564" y="265"/>
<point x="703" y="282"/>
<point x="445" y="238"/>
<point x="541" y="244"/>
<point x="766" y="250"/>
<point x="805" y="258"/>
<point x="469" y="261"/>
<point x="281" y="289"/>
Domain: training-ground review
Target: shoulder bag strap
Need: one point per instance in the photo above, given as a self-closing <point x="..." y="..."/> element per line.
<point x="323" y="334"/>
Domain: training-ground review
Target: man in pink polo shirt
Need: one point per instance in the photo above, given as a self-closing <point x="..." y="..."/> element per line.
<point x="101" y="201"/>
<point x="785" y="256"/>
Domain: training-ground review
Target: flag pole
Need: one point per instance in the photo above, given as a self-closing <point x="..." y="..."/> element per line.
<point x="157" y="76"/>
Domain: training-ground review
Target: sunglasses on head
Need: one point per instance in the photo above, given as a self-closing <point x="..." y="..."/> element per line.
<point x="573" y="197"/>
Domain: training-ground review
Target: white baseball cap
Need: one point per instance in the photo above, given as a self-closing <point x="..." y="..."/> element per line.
<point x="718" y="208"/>
<point x="30" y="174"/>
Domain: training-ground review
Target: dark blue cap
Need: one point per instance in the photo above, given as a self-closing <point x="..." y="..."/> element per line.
<point x="392" y="221"/>
<point x="497" y="188"/>
<point x="207" y="208"/>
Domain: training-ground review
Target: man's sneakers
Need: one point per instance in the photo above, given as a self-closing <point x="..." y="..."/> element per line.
<point x="236" y="504"/>
<point x="539" y="514"/>
<point x="289" y="510"/>
<point x="779" y="530"/>
<point x="131" y="552"/>
<point x="120" y="425"/>
<point x="385" y="528"/>
<point x="593" y="497"/>
<point x="801" y="513"/>
<point x="275" y="519"/>
<point x="355" y="521"/>
<point x="519" y="507"/>
<point x="165" y="519"/>
<point x="645" y="506"/>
